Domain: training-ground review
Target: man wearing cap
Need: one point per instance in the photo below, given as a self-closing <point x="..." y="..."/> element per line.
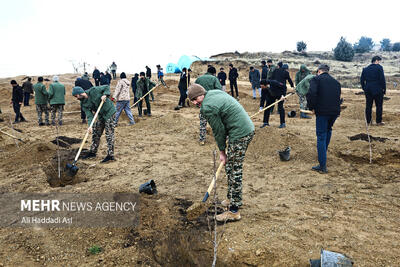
<point x="16" y="101"/>
<point x="90" y="102"/>
<point x="57" y="100"/>
<point x="324" y="98"/>
<point x="374" y="86"/>
<point x="41" y="100"/>
<point x="209" y="82"/>
<point x="229" y="122"/>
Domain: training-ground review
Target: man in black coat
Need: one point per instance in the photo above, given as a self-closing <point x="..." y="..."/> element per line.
<point x="16" y="101"/>
<point x="222" y="78"/>
<point x="85" y="85"/>
<point x="374" y="85"/>
<point x="324" y="98"/>
<point x="264" y="71"/>
<point x="96" y="77"/>
<point x="148" y="75"/>
<point x="233" y="75"/>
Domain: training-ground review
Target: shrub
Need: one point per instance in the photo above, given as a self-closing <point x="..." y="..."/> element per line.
<point x="385" y="44"/>
<point x="301" y="46"/>
<point x="396" y="47"/>
<point x="365" y="44"/>
<point x="344" y="50"/>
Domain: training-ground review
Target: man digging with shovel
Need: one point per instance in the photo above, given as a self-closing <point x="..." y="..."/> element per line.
<point x="228" y="119"/>
<point x="90" y="101"/>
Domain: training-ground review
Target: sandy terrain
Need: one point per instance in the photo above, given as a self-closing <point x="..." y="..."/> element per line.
<point x="289" y="212"/>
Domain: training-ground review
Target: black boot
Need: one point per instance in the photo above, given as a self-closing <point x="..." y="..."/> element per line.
<point x="89" y="155"/>
<point x="108" y="158"/>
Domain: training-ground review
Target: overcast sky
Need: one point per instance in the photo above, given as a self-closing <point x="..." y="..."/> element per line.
<point x="44" y="36"/>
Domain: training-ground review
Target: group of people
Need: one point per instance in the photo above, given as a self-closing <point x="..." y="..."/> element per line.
<point x="232" y="127"/>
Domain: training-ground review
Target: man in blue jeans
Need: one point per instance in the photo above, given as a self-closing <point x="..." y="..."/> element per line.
<point x="324" y="98"/>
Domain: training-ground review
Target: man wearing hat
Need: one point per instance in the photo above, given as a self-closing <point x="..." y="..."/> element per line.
<point x="324" y="98"/>
<point x="90" y="102"/>
<point x="57" y="100"/>
<point x="229" y="122"/>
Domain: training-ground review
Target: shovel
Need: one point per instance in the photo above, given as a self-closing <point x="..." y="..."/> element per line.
<point x="72" y="168"/>
<point x="199" y="208"/>
<point x="144" y="96"/>
<point x="281" y="99"/>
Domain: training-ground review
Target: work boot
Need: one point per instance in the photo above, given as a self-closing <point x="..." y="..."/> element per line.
<point x="264" y="125"/>
<point x="60" y="123"/>
<point x="225" y="203"/>
<point x="83" y="121"/>
<point x="53" y="123"/>
<point x="283" y="125"/>
<point x="89" y="155"/>
<point x="380" y="123"/>
<point x="228" y="216"/>
<point x="319" y="169"/>
<point x="15" y="122"/>
<point x="41" y="124"/>
<point x="304" y="116"/>
<point x="108" y="158"/>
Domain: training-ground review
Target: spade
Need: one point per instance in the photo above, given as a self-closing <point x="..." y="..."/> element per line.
<point x="72" y="169"/>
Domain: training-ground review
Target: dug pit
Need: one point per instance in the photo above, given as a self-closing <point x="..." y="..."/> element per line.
<point x="65" y="141"/>
<point x="364" y="137"/>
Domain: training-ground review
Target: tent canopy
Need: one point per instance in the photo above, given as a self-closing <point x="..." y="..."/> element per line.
<point x="183" y="62"/>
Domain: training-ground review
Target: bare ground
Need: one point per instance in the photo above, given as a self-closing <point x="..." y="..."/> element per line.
<point x="289" y="212"/>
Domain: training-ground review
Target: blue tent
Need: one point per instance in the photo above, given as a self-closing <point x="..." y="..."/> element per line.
<point x="172" y="68"/>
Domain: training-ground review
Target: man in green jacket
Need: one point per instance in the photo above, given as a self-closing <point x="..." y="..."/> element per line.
<point x="209" y="82"/>
<point x="302" y="89"/>
<point x="41" y="99"/>
<point x="301" y="74"/>
<point x="228" y="120"/>
<point x="90" y="102"/>
<point x="57" y="100"/>
<point x="143" y="86"/>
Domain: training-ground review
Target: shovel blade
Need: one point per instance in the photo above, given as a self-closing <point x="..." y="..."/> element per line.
<point x="72" y="169"/>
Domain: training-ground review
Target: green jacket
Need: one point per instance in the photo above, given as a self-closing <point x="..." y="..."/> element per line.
<point x="304" y="85"/>
<point x="140" y="84"/>
<point x="91" y="104"/>
<point x="226" y="117"/>
<point x="209" y="82"/>
<point x="57" y="93"/>
<point x="270" y="71"/>
<point x="301" y="74"/>
<point x="41" y="95"/>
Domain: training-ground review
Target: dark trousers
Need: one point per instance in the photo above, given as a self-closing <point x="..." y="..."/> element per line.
<point x="17" y="110"/>
<point x="324" y="132"/>
<point x="182" y="98"/>
<point x="26" y="98"/>
<point x="97" y="81"/>
<point x="379" y="106"/>
<point x="83" y="114"/>
<point x="139" y="105"/>
<point x="114" y="74"/>
<point x="271" y="99"/>
<point x="264" y="95"/>
<point x="233" y="83"/>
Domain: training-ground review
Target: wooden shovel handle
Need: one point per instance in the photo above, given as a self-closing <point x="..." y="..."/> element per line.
<point x="210" y="188"/>
<point x="281" y="99"/>
<point x="87" y="131"/>
<point x="143" y="96"/>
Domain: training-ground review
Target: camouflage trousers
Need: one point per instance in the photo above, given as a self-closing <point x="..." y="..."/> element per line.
<point x="40" y="109"/>
<point x="98" y="129"/>
<point x="302" y="101"/>
<point x="203" y="127"/>
<point x="234" y="168"/>
<point x="54" y="109"/>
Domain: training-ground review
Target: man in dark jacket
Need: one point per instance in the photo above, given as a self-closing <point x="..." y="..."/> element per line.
<point x="281" y="75"/>
<point x="254" y="78"/>
<point x="135" y="78"/>
<point x="109" y="78"/>
<point x="85" y="85"/>
<point x="27" y="87"/>
<point x="270" y="95"/>
<point x="264" y="70"/>
<point x="96" y="76"/>
<point x="374" y="85"/>
<point x="16" y="101"/>
<point x="222" y="78"/>
<point x="324" y="98"/>
<point x="233" y="75"/>
<point x="148" y="76"/>
<point x="182" y="86"/>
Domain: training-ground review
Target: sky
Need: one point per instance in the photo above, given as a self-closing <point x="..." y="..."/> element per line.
<point x="45" y="37"/>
